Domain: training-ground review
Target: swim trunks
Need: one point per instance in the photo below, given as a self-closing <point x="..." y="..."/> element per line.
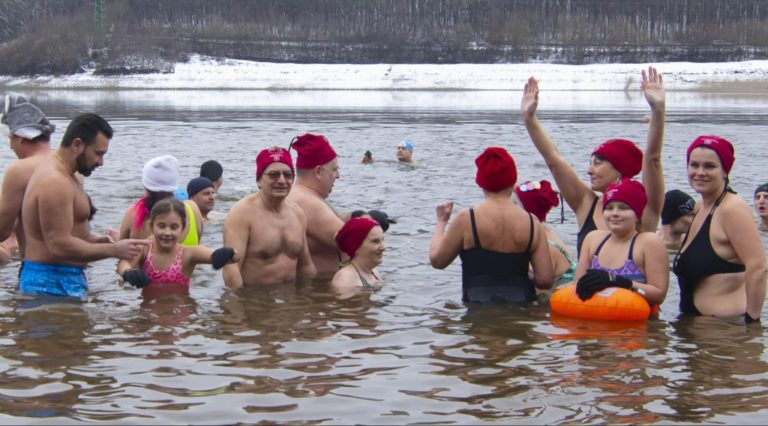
<point x="51" y="278"/>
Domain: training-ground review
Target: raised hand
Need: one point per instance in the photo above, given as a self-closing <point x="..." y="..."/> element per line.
<point x="443" y="210"/>
<point x="530" y="101"/>
<point x="653" y="88"/>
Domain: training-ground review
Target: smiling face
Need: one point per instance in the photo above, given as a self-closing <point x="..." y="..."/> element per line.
<point x="276" y="181"/>
<point x="167" y="229"/>
<point x="705" y="173"/>
<point x="619" y="217"/>
<point x="372" y="249"/>
<point x="601" y="173"/>
<point x="205" y="200"/>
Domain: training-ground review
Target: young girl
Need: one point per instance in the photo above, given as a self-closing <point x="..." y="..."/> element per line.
<point x="165" y="262"/>
<point x="622" y="256"/>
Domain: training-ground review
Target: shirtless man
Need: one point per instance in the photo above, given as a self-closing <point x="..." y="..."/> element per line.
<point x="316" y="171"/>
<point x="30" y="134"/>
<point x="268" y="229"/>
<point x="55" y="215"/>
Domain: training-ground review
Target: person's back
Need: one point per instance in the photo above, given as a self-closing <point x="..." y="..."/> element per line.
<point x="17" y="177"/>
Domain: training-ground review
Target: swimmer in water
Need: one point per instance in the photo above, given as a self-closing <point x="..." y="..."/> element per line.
<point x="362" y="239"/>
<point x="676" y="218"/>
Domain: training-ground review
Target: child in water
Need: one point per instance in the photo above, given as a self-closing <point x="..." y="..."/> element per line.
<point x="164" y="262"/>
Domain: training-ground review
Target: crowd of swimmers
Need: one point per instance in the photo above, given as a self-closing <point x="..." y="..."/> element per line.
<point x="287" y="232"/>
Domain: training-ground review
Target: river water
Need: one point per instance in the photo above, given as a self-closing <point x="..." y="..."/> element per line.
<point x="412" y="353"/>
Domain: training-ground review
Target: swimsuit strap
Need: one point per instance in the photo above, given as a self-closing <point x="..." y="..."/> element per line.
<point x="597" y="252"/>
<point x="530" y="238"/>
<point x="561" y="249"/>
<point x="718" y="201"/>
<point x="363" y="281"/>
<point x="474" y="228"/>
<point x="632" y="246"/>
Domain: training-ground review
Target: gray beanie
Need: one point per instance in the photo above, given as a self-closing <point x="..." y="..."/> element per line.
<point x="24" y="119"/>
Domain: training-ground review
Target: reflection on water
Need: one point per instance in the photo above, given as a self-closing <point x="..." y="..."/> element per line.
<point x="412" y="353"/>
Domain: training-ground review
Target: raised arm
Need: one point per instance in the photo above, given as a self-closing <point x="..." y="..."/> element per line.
<point x="445" y="245"/>
<point x="653" y="172"/>
<point x="744" y="237"/>
<point x="576" y="193"/>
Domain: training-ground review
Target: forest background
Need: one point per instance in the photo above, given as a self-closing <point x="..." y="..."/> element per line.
<point x="148" y="36"/>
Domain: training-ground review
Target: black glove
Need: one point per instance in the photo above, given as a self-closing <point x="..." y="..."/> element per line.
<point x="749" y="320"/>
<point x="595" y="280"/>
<point x="136" y="277"/>
<point x="221" y="256"/>
<point x="382" y="218"/>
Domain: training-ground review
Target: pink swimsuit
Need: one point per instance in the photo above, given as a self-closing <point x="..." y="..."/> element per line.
<point x="172" y="275"/>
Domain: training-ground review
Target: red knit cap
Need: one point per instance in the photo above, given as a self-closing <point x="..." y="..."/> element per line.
<point x="351" y="236"/>
<point x="628" y="191"/>
<point x="272" y="155"/>
<point x="722" y="148"/>
<point x="623" y="155"/>
<point x="313" y="151"/>
<point x="496" y="170"/>
<point x="537" y="198"/>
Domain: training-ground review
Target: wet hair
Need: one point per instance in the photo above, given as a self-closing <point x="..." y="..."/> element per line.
<point x="168" y="205"/>
<point x="86" y="127"/>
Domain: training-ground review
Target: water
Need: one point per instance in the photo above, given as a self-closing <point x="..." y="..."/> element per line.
<point x="412" y="353"/>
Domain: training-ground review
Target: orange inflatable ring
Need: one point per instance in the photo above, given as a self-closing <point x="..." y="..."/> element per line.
<point x="612" y="303"/>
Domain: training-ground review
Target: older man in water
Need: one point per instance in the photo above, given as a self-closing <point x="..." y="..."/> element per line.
<point x="317" y="168"/>
<point x="761" y="205"/>
<point x="30" y="134"/>
<point x="269" y="230"/>
<point x="55" y="214"/>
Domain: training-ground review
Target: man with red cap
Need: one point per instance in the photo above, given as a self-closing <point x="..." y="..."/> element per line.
<point x="316" y="171"/>
<point x="610" y="161"/>
<point x="268" y="229"/>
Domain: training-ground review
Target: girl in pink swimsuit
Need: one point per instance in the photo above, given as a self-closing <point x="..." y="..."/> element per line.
<point x="165" y="263"/>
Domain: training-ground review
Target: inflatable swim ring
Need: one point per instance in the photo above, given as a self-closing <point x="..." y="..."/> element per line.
<point x="612" y="303"/>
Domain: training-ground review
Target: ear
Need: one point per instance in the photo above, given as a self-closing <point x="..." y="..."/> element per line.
<point x="78" y="145"/>
<point x="316" y="171"/>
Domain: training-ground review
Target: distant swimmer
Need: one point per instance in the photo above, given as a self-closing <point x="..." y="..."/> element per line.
<point x="367" y="158"/>
<point x="676" y="217"/>
<point x="268" y="229"/>
<point x="761" y="205"/>
<point x="497" y="240"/>
<point x="610" y="161"/>
<point x="317" y="169"/>
<point x="203" y="193"/>
<point x="30" y="135"/>
<point x="166" y="265"/>
<point x="160" y="177"/>
<point x="213" y="171"/>
<point x="721" y="266"/>
<point x="362" y="239"/>
<point x="55" y="213"/>
<point x="404" y="152"/>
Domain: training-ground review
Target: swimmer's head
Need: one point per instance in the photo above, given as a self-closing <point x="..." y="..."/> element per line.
<point x="405" y="151"/>
<point x="25" y="120"/>
<point x="212" y="170"/>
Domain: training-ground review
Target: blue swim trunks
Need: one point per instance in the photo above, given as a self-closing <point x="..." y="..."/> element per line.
<point x="50" y="278"/>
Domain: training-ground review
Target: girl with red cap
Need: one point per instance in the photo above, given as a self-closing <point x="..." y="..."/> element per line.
<point x="612" y="160"/>
<point x="362" y="239"/>
<point x="623" y="255"/>
<point x="497" y="240"/>
<point x="538" y="198"/>
<point x="721" y="265"/>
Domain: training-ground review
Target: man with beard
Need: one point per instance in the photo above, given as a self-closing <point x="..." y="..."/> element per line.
<point x="29" y="134"/>
<point x="55" y="214"/>
<point x="267" y="229"/>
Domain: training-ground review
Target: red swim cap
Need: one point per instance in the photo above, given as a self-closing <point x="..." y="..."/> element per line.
<point x="313" y="151"/>
<point x="272" y="155"/>
<point x="722" y="148"/>
<point x="496" y="170"/>
<point x="628" y="191"/>
<point x="351" y="236"/>
<point x="537" y="198"/>
<point x="623" y="155"/>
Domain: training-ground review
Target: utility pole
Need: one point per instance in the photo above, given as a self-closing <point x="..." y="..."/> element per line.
<point x="99" y="15"/>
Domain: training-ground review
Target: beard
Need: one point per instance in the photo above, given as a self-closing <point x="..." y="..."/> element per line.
<point x="82" y="165"/>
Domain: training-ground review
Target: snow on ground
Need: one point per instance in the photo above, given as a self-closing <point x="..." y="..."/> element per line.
<point x="227" y="74"/>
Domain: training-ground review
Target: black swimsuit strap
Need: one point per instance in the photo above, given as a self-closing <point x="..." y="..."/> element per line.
<point x="474" y="228"/>
<point x="530" y="238"/>
<point x="597" y="252"/>
<point x="688" y="232"/>
<point x="632" y="247"/>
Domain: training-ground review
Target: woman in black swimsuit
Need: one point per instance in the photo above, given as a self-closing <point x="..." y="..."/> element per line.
<point x="362" y="239"/>
<point x="611" y="160"/>
<point x="496" y="239"/>
<point x="721" y="266"/>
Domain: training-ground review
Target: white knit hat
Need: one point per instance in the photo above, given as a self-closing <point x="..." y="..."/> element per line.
<point x="161" y="174"/>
